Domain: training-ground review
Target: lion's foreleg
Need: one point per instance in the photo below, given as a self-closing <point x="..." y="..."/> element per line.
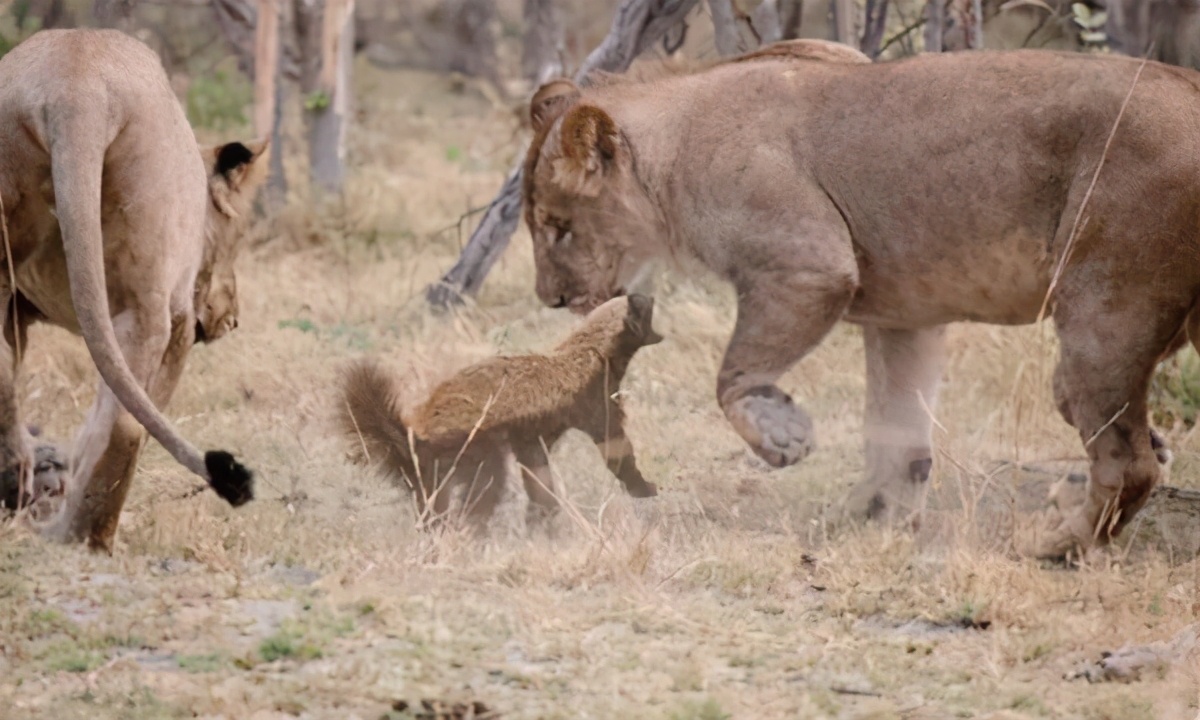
<point x="107" y="447"/>
<point x="904" y="369"/>
<point x="781" y="316"/>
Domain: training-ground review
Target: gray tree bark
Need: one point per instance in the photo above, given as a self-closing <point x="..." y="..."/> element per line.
<point x="268" y="93"/>
<point x="1166" y="30"/>
<point x="976" y="24"/>
<point x="113" y="13"/>
<point x="844" y="14"/>
<point x="935" y="25"/>
<point x="50" y="14"/>
<point x="542" y="49"/>
<point x="736" y="31"/>
<point x="637" y="25"/>
<point x="330" y="110"/>
<point x="238" y="20"/>
<point x="876" y="23"/>
<point x="725" y="31"/>
<point x="791" y="14"/>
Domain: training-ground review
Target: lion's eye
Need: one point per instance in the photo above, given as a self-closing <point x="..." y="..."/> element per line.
<point x="562" y="237"/>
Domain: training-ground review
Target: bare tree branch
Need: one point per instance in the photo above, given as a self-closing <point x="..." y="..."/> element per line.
<point x="237" y="20"/>
<point x="876" y="24"/>
<point x="637" y="25"/>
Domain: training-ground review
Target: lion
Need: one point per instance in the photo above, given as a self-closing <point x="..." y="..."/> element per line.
<point x="503" y="407"/>
<point x="120" y="228"/>
<point x="992" y="187"/>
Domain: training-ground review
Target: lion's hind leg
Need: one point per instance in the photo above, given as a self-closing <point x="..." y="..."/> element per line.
<point x="108" y="445"/>
<point x="16" y="441"/>
<point x="1107" y="359"/>
<point x="904" y="369"/>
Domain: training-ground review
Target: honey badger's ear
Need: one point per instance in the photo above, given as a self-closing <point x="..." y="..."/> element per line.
<point x="550" y="101"/>
<point x="640" y="317"/>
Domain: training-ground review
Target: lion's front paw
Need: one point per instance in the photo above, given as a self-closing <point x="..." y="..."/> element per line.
<point x="774" y="426"/>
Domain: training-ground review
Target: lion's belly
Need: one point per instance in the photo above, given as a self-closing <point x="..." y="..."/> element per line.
<point x="1001" y="282"/>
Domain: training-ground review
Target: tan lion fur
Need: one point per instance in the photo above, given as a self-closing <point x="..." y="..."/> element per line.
<point x="901" y="196"/>
<point x="122" y="230"/>
<point x="464" y="433"/>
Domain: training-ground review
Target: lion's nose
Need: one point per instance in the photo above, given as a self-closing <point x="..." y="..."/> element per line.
<point x="233" y="323"/>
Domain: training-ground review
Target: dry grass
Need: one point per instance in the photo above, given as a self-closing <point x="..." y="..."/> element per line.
<point x="733" y="594"/>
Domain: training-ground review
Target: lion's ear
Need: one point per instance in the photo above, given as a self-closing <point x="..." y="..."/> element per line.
<point x="238" y="162"/>
<point x="550" y="101"/>
<point x="236" y="171"/>
<point x="589" y="140"/>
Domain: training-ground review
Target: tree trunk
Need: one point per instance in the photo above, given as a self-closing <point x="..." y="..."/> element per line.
<point x="736" y="32"/>
<point x="876" y="24"/>
<point x="1165" y="30"/>
<point x="935" y="25"/>
<point x="844" y="14"/>
<point x="725" y="31"/>
<point x="329" y="108"/>
<point x="542" y="50"/>
<point x="638" y="24"/>
<point x="791" y="13"/>
<point x="113" y="13"/>
<point x="50" y="14"/>
<point x="976" y="24"/>
<point x="238" y="20"/>
<point x="268" y="93"/>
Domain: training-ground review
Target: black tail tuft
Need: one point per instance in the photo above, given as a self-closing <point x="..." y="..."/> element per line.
<point x="231" y="480"/>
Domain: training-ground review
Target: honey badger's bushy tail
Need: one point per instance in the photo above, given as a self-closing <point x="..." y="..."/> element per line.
<point x="370" y="417"/>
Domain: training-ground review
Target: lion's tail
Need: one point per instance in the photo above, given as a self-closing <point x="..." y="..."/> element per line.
<point x="370" y="416"/>
<point x="77" y="167"/>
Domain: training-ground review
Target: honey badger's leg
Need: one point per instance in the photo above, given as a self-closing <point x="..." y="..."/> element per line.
<point x="783" y="312"/>
<point x="904" y="368"/>
<point x="534" y="467"/>
<point x="608" y="432"/>
<point x="485" y="480"/>
<point x="107" y="447"/>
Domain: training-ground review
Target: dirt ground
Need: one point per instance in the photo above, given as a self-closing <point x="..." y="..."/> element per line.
<point x="735" y="593"/>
